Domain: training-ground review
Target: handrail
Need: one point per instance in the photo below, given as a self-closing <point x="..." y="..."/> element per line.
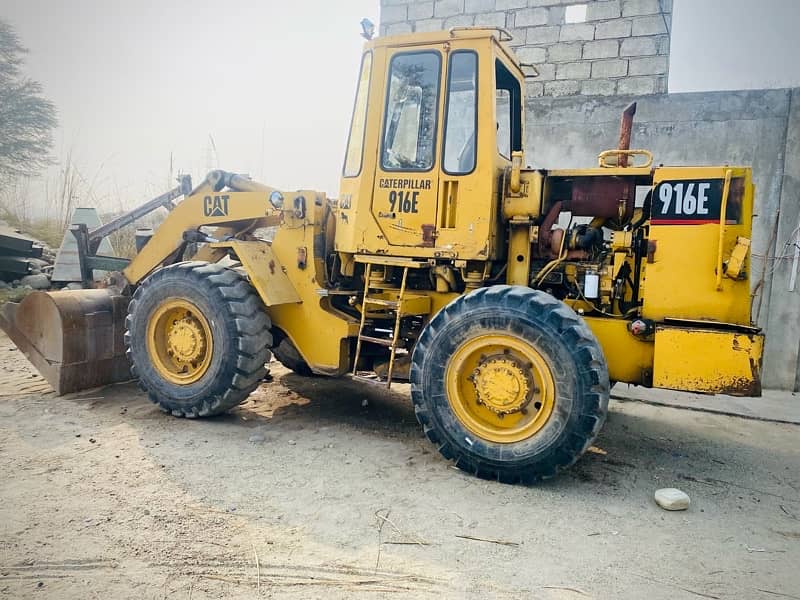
<point x="723" y="210"/>
<point x="602" y="158"/>
<point x="501" y="30"/>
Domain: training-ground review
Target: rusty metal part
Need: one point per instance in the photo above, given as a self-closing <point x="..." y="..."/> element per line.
<point x="545" y="229"/>
<point x="602" y="197"/>
<point x="428" y="236"/>
<point x="625" y="128"/>
<point x="73" y="338"/>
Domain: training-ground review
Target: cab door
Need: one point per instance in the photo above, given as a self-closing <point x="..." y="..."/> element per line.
<point x="406" y="175"/>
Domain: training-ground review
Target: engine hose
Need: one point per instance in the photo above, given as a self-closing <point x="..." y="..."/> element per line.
<point x="646" y="208"/>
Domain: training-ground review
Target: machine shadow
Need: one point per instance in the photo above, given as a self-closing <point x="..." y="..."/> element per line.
<point x="633" y="443"/>
<point x="324" y="401"/>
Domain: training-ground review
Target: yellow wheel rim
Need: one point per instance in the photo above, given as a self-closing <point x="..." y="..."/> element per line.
<point x="500" y="388"/>
<point x="179" y="342"/>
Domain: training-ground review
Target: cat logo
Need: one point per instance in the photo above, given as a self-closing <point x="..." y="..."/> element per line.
<point x="215" y="206"/>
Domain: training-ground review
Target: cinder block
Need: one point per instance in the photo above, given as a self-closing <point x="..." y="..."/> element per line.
<point x="598" y="11"/>
<point x="420" y="10"/>
<point x="645" y="46"/>
<point x="428" y="25"/>
<point x="562" y="88"/>
<point x="518" y="35"/>
<point x="530" y="16"/>
<point x="394" y="14"/>
<point x="654" y="65"/>
<point x="531" y="54"/>
<point x="509" y="4"/>
<point x="636" y="86"/>
<point x="542" y="35"/>
<point x="478" y="6"/>
<point x="534" y="89"/>
<point x="612" y="29"/>
<point x="564" y="52"/>
<point x="555" y="15"/>
<point x="459" y="21"/>
<point x="576" y="70"/>
<point x="599" y="87"/>
<point x="648" y="25"/>
<point x="576" y="31"/>
<point x="397" y="28"/>
<point x="633" y="8"/>
<point x="603" y="69"/>
<point x="547" y="72"/>
<point x="448" y="8"/>
<point x="492" y="19"/>
<point x="601" y="49"/>
<point x="662" y="44"/>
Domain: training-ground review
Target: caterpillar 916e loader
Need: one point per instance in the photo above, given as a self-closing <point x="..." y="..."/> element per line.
<point x="510" y="298"/>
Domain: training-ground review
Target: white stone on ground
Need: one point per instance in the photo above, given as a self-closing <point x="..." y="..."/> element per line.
<point x="672" y="499"/>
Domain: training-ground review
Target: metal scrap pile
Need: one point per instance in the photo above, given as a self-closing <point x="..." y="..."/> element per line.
<point x="24" y="261"/>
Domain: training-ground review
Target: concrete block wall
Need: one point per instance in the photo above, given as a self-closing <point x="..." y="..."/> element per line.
<point x="617" y="47"/>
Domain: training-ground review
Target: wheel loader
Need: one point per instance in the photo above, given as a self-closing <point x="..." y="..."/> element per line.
<point x="511" y="298"/>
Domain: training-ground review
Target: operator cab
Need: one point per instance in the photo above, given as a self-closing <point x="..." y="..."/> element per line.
<point x="428" y="141"/>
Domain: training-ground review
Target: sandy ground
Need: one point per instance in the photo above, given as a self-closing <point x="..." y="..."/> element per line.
<point x="322" y="488"/>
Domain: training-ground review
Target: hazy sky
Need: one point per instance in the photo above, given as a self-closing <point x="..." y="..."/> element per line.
<point x="273" y="81"/>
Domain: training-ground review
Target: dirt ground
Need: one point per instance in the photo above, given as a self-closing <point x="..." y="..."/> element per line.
<point x="321" y="488"/>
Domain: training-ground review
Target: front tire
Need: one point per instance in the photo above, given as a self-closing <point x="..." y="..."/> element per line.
<point x="509" y="383"/>
<point x="198" y="338"/>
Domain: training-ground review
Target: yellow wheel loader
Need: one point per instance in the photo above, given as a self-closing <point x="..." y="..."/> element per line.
<point x="510" y="298"/>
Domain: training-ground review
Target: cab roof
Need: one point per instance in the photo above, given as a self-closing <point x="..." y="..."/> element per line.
<point x="498" y="34"/>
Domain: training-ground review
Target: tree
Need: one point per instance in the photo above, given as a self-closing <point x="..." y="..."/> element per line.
<point x="27" y="119"/>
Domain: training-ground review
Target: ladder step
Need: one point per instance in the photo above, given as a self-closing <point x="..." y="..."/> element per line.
<point x="382" y="302"/>
<point x="375" y="340"/>
<point x="373" y="380"/>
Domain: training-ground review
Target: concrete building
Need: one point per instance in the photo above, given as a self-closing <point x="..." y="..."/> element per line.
<point x="596" y="56"/>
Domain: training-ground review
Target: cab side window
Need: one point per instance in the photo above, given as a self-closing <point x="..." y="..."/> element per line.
<point x="508" y="111"/>
<point x="462" y="113"/>
<point x="411" y="111"/>
<point x="355" y="141"/>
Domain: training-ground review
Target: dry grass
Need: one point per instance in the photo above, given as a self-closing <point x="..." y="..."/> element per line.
<point x="48" y="218"/>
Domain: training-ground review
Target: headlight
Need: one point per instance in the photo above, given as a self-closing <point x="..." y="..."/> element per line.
<point x="276" y="199"/>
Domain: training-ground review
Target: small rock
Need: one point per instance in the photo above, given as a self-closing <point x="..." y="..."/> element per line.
<point x="291" y="442"/>
<point x="364" y="403"/>
<point x="73" y="286"/>
<point x="257" y="438"/>
<point x="39" y="281"/>
<point x="672" y="499"/>
<point x="38" y="263"/>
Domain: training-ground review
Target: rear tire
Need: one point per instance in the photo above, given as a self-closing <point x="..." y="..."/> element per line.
<point x="510" y="384"/>
<point x="224" y="324"/>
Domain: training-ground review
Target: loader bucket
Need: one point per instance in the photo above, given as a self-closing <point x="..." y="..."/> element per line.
<point x="73" y="338"/>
